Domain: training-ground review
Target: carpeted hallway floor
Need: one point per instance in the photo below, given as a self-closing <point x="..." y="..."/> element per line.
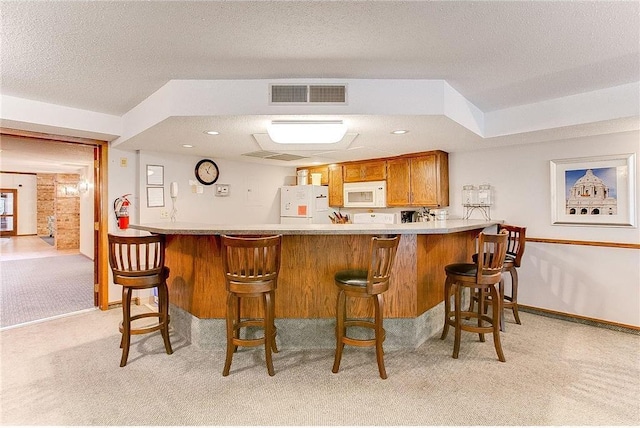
<point x="39" y="288"/>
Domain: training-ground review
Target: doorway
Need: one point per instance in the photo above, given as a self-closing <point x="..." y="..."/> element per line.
<point x="96" y="225"/>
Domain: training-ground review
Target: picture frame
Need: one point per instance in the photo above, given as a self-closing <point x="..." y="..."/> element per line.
<point x="155" y="175"/>
<point x="594" y="191"/>
<point x="155" y="197"/>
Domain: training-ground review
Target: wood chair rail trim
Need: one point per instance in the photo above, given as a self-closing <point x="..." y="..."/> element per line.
<point x="588" y="243"/>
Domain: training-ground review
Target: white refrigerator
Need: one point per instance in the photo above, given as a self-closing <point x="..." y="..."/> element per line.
<point x="304" y="205"/>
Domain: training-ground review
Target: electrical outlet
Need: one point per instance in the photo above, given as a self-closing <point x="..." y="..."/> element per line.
<point x="164" y="214"/>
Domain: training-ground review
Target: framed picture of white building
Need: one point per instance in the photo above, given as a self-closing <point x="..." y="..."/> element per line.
<point x="595" y="191"/>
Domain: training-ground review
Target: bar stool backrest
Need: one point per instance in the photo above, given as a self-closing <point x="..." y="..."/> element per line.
<point x="383" y="253"/>
<point x="251" y="259"/>
<point x="491" y="253"/>
<point x="136" y="256"/>
<point x="515" y="242"/>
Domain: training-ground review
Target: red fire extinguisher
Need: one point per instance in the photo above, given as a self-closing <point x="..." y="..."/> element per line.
<point x="121" y="208"/>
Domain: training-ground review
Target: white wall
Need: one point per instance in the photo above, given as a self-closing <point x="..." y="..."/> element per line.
<point x="254" y="191"/>
<point x="87" y="215"/>
<point x="596" y="282"/>
<point x="122" y="180"/>
<point x="26" y="185"/>
<point x="261" y="205"/>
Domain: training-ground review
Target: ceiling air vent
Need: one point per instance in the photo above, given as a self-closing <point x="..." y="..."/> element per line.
<point x="289" y="94"/>
<point x="327" y="94"/>
<point x="308" y="94"/>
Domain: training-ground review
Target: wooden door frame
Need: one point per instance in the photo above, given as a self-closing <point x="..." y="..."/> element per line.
<point x="14" y="230"/>
<point x="100" y="211"/>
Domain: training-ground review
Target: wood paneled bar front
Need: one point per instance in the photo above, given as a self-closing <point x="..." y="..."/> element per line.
<point x="311" y="254"/>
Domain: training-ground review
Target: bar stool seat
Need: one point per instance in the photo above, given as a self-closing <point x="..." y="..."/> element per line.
<point x="481" y="279"/>
<point x="368" y="284"/>
<point x="251" y="266"/>
<point x="137" y="263"/>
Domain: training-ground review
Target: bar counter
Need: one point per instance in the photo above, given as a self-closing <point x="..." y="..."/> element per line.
<point x="306" y="294"/>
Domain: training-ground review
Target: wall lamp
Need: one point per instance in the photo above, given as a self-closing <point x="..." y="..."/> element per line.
<point x="306" y="131"/>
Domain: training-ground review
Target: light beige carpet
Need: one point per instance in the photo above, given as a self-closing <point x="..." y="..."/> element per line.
<point x="65" y="372"/>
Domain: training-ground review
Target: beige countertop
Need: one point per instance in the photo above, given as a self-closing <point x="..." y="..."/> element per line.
<point x="430" y="227"/>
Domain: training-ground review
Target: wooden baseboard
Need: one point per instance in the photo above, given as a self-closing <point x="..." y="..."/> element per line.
<point x="580" y="319"/>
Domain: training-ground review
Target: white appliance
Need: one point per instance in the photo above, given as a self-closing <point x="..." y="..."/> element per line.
<point x="366" y="194"/>
<point x="304" y="205"/>
<point x="374" y="218"/>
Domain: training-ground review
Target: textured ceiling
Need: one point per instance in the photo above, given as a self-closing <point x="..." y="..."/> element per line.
<point x="108" y="56"/>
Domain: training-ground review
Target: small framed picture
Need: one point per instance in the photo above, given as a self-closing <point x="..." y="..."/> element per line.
<point x="594" y="191"/>
<point x="155" y="175"/>
<point x="155" y="197"/>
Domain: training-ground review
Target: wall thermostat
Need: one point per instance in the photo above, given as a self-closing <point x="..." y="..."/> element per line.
<point x="222" y="189"/>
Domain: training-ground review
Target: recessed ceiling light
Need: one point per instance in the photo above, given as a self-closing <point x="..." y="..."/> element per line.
<point x="212" y="132"/>
<point x="187" y="146"/>
<point x="399" y="131"/>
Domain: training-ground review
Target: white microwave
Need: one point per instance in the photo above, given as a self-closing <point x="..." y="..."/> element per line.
<point x="366" y="194"/>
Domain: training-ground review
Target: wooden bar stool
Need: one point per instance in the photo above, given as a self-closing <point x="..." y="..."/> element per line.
<point x="137" y="263"/>
<point x="369" y="283"/>
<point x="515" y="250"/>
<point x="512" y="260"/>
<point x="481" y="278"/>
<point x="251" y="266"/>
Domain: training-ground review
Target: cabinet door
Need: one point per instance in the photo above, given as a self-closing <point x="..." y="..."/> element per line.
<point x="374" y="171"/>
<point x="398" y="182"/>
<point x="336" y="194"/>
<point x="322" y="170"/>
<point x="430" y="180"/>
<point x="365" y="171"/>
<point x="352" y="172"/>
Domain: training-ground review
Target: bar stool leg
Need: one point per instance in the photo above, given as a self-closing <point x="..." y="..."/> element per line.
<point x="125" y="341"/>
<point x="163" y="308"/>
<point x="496" y="310"/>
<point x="482" y="301"/>
<point x="340" y="329"/>
<point x="232" y="314"/>
<point x="514" y="293"/>
<point x="501" y="303"/>
<point x="447" y="308"/>
<point x="379" y="333"/>
<point x="268" y="331"/>
<point x="457" y="320"/>
<point x="274" y="346"/>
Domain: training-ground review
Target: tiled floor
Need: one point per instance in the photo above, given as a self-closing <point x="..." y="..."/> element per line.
<point x="28" y="247"/>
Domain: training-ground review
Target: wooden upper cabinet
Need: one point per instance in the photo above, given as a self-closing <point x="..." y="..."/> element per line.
<point x="418" y="180"/>
<point x="364" y="171"/>
<point x="398" y="182"/>
<point x="421" y="180"/>
<point x="336" y="194"/>
<point x="323" y="170"/>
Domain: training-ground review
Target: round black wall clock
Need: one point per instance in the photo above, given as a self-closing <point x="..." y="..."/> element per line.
<point x="207" y="172"/>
